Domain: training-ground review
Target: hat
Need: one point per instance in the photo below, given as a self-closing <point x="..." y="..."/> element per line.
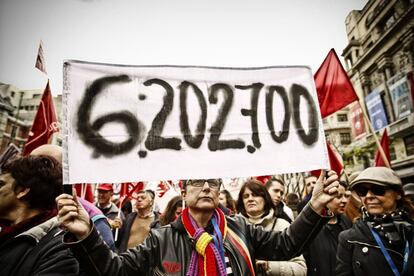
<point x="408" y="189"/>
<point x="377" y="175"/>
<point x="105" y="187"/>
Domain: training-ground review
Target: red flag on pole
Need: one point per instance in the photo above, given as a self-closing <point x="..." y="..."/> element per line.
<point x="40" y="59"/>
<point x="379" y="162"/>
<point x="44" y="124"/>
<point x="333" y="86"/>
<point x="336" y="164"/>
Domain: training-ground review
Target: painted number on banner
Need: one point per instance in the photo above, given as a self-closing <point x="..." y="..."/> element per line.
<point x="89" y="131"/>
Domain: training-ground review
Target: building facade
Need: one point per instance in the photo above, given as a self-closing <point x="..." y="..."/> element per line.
<point x="17" y="111"/>
<point x="380" y="61"/>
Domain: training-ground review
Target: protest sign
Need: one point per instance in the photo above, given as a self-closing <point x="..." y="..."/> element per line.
<point x="147" y="123"/>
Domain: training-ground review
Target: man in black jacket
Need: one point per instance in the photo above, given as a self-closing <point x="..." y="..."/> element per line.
<point x="30" y="239"/>
<point x="201" y="242"/>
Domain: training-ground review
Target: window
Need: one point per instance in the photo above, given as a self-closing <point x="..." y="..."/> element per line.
<point x="342" y="118"/>
<point x="392" y="153"/>
<point x="12" y="94"/>
<point x="345" y="138"/>
<point x="409" y="145"/>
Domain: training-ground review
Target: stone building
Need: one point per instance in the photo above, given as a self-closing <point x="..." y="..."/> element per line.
<point x="380" y="60"/>
<point x="17" y="111"/>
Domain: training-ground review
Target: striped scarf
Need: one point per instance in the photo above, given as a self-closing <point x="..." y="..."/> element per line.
<point x="208" y="257"/>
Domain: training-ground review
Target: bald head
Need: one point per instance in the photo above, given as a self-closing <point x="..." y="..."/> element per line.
<point x="49" y="150"/>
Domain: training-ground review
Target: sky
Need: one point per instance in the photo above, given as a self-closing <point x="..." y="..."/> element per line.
<point x="231" y="33"/>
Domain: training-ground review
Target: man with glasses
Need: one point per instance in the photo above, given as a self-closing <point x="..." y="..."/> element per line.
<point x="202" y="241"/>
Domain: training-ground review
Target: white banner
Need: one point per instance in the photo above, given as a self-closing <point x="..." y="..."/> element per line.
<point x="148" y="123"/>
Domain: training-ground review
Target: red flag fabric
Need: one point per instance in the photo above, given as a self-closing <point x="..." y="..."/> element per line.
<point x="162" y="188"/>
<point x="87" y="193"/>
<point x="333" y="86"/>
<point x="128" y="189"/>
<point x="336" y="164"/>
<point x="44" y="124"/>
<point x="379" y="162"/>
<point x="263" y="178"/>
<point x="40" y="59"/>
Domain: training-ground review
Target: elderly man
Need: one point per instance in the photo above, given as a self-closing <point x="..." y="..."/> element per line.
<point x="137" y="224"/>
<point x="202" y="241"/>
<point x="30" y="239"/>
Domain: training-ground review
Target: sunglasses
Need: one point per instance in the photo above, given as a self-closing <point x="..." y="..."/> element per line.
<point x="375" y="189"/>
<point x="212" y="183"/>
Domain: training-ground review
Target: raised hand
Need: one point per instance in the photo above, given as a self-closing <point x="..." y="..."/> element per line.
<point x="72" y="216"/>
<point x="324" y="191"/>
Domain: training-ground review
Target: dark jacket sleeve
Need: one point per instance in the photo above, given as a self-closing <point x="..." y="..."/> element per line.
<point x="96" y="258"/>
<point x="284" y="245"/>
<point x="56" y="259"/>
<point x="344" y="256"/>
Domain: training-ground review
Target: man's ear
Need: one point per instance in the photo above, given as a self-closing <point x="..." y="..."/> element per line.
<point x="22" y="192"/>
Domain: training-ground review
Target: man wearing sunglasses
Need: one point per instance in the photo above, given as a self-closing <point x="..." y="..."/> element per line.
<point x="202" y="241"/>
<point x="380" y="242"/>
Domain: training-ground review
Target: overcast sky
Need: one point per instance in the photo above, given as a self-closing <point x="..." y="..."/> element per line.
<point x="235" y="33"/>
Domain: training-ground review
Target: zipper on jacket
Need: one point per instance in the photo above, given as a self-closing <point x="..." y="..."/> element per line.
<point x="231" y="254"/>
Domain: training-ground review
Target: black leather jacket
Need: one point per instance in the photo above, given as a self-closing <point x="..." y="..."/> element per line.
<point x="167" y="250"/>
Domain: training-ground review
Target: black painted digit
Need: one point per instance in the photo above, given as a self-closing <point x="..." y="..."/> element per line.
<point x="216" y="129"/>
<point x="284" y="134"/>
<point x="298" y="91"/>
<point x="89" y="133"/>
<point x="252" y="112"/>
<point x="154" y="139"/>
<point x="192" y="141"/>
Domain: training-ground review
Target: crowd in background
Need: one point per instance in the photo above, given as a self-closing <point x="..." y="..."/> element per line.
<point x="368" y="230"/>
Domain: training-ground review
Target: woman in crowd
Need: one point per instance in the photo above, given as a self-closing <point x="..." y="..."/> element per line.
<point x="326" y="242"/>
<point x="171" y="213"/>
<point x="380" y="242"/>
<point x="256" y="206"/>
<point x="227" y="201"/>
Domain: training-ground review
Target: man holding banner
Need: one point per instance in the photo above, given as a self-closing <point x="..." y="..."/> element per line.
<point x="201" y="242"/>
<point x="191" y="122"/>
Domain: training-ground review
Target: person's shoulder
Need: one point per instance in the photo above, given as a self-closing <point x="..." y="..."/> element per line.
<point x="354" y="232"/>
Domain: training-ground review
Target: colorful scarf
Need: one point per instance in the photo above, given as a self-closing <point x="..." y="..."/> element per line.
<point x="208" y="257"/>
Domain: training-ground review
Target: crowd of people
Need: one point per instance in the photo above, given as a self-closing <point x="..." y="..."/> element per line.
<point x="362" y="225"/>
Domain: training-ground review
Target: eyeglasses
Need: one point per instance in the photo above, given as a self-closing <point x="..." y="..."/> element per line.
<point x="212" y="183"/>
<point x="375" y="189"/>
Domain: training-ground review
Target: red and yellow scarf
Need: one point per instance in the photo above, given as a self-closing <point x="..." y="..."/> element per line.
<point x="208" y="257"/>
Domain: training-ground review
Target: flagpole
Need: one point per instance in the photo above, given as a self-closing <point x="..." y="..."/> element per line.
<point x="371" y="128"/>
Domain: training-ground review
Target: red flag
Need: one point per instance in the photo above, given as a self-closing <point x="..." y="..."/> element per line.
<point x="163" y="187"/>
<point x="128" y="189"/>
<point x="263" y="178"/>
<point x="379" y="162"/>
<point x="85" y="191"/>
<point x="333" y="86"/>
<point x="336" y="164"/>
<point x="44" y="124"/>
<point x="40" y="59"/>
